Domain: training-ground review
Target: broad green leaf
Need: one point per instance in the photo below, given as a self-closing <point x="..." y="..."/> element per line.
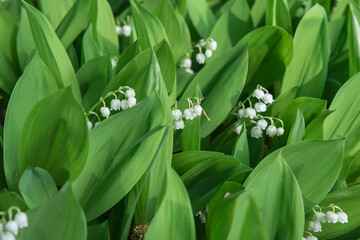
<point x="177" y="40"/>
<point x="225" y="33"/>
<point x="99" y="231"/>
<point x="75" y="21"/>
<point x="90" y="48"/>
<point x="221" y="82"/>
<point x="57" y="126"/>
<point x="315" y="129"/>
<point x="191" y="137"/>
<point x="345" y="121"/>
<point x="51" y="51"/>
<point x="9" y="199"/>
<point x="93" y="77"/>
<point x="338" y="40"/>
<point x="203" y="178"/>
<point x="345" y="169"/>
<point x="36" y="186"/>
<point x="280" y="201"/>
<point x="270" y="51"/>
<point x="119" y="156"/>
<point x="103" y="27"/>
<point x="277" y="14"/>
<point x="61" y="217"/>
<point x="258" y="11"/>
<point x="309" y="107"/>
<point x="55" y="10"/>
<point x="201" y="16"/>
<point x="127" y="55"/>
<point x="235" y="216"/>
<point x="308" y="67"/>
<point x="315" y="178"/>
<point x="173" y="218"/>
<point x="241" y="148"/>
<point x="354" y="38"/>
<point x="297" y="131"/>
<point x="149" y="29"/>
<point x="347" y="200"/>
<point x="9" y="66"/>
<point x="38" y="78"/>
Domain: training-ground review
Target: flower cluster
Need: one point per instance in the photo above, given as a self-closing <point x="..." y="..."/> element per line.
<point x="9" y="226"/>
<point x="252" y="113"/>
<point x="205" y="47"/>
<point x="330" y="217"/>
<point x="115" y="105"/>
<point x="194" y="110"/>
<point x="125" y="29"/>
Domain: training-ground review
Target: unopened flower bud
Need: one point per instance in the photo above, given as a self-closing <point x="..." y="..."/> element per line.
<point x="208" y="53"/>
<point x="279" y="131"/>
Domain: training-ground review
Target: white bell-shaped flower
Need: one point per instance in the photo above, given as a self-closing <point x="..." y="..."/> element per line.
<point x="311" y="238"/>
<point x="213" y="45"/>
<point x="126" y="30"/>
<point x="97" y="123"/>
<point x="176" y="114"/>
<point x="12" y="227"/>
<point x="342" y="217"/>
<point x="317" y="227"/>
<point x="250" y="112"/>
<point x="200" y="58"/>
<point x="131" y="102"/>
<point x="267" y="98"/>
<point x="258" y="93"/>
<point x="256" y="132"/>
<point x="331" y="217"/>
<point x="242" y="113"/>
<point x="208" y="53"/>
<point x="188" y="114"/>
<point x="262" y="123"/>
<point x="202" y="216"/>
<point x="115" y="104"/>
<point x="89" y="125"/>
<point x="260" y="107"/>
<point x="197" y="110"/>
<point x="124" y="104"/>
<point x="113" y="63"/>
<point x="238" y="128"/>
<point x="179" y="124"/>
<point x="21" y="219"/>
<point x="130" y="93"/>
<point x="271" y="131"/>
<point x="189" y="71"/>
<point x="186" y="63"/>
<point x="7" y="236"/>
<point x="318" y="216"/>
<point x="303" y="238"/>
<point x="279" y="132"/>
<point x="105" y="112"/>
<point x="118" y="30"/>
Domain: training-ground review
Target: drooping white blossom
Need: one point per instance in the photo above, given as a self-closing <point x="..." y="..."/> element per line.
<point x="331" y="217"/>
<point x="197" y="110"/>
<point x="258" y="93"/>
<point x="189" y="71"/>
<point x="311" y="238"/>
<point x="267" y="98"/>
<point x="238" y="128"/>
<point x="213" y="45"/>
<point x="179" y="124"/>
<point x="131" y="102"/>
<point x="200" y="58"/>
<point x="12" y="227"/>
<point x="250" y="112"/>
<point x="188" y="114"/>
<point x="124" y="104"/>
<point x="208" y="53"/>
<point x="118" y="30"/>
<point x="176" y="114"/>
<point x="320" y="217"/>
<point x="7" y="236"/>
<point x="271" y="131"/>
<point x="256" y="132"/>
<point x="21" y="219"/>
<point x="262" y="123"/>
<point x="115" y="104"/>
<point x="342" y="217"/>
<point x="126" y="30"/>
<point x="130" y="93"/>
<point x="186" y="63"/>
<point x="113" y="63"/>
<point x="279" y="131"/>
<point x="260" y="107"/>
<point x="242" y="113"/>
<point x="89" y="125"/>
<point x="105" y="112"/>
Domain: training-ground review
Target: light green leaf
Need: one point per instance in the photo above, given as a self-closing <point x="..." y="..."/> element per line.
<point x="223" y="78"/>
<point x="315" y="178"/>
<point x="345" y="121"/>
<point x="51" y="51"/>
<point x="277" y="14"/>
<point x="148" y="27"/>
<point x="61" y="134"/>
<point x="191" y="137"/>
<point x="297" y="131"/>
<point x="90" y="48"/>
<point x="315" y="129"/>
<point x="241" y="148"/>
<point x="354" y="38"/>
<point x="173" y="218"/>
<point x="276" y="190"/>
<point x="99" y="231"/>
<point x="60" y="218"/>
<point x="36" y="186"/>
<point x="9" y="199"/>
<point x="55" y="10"/>
<point x="201" y="16"/>
<point x="38" y="78"/>
<point x="308" y="67"/>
